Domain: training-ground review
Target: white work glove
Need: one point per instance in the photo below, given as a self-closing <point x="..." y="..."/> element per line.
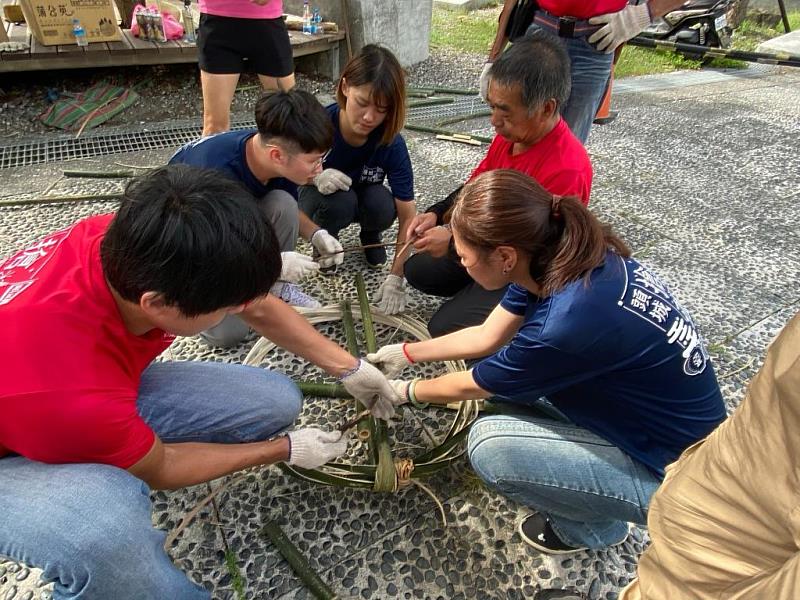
<point x="369" y="386"/>
<point x="311" y="448"/>
<point x="329" y="248"/>
<point x="619" y="27"/>
<point x="391" y="296"/>
<point x="401" y="388"/>
<point x="296" y="266"/>
<point x="332" y="180"/>
<point x="483" y="82"/>
<point x="390" y="359"/>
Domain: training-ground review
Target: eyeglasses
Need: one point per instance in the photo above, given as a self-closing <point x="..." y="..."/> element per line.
<point x="317" y="163"/>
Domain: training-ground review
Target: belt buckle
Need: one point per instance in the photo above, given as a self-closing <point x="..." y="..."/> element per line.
<point x="566" y="27"/>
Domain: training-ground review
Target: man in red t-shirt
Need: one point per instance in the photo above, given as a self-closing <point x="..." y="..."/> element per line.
<point x="91" y="421"/>
<point x="590" y="31"/>
<point x="529" y="84"/>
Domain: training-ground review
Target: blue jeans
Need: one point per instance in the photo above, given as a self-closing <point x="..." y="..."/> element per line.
<point x="371" y="206"/>
<point x="590" y="73"/>
<point x="587" y="487"/>
<point x="88" y="526"/>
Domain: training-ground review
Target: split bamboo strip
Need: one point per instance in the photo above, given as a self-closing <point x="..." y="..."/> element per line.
<point x="424" y="129"/>
<point x="297" y="561"/>
<point x="63" y="199"/>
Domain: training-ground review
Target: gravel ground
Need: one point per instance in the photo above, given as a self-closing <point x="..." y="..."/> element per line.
<point x="173" y="91"/>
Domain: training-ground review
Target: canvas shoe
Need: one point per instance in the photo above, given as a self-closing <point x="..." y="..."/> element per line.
<point x="293" y="295"/>
<point x="535" y="530"/>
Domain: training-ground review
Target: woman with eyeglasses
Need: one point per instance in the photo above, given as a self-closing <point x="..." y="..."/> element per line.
<point x="367" y="117"/>
<point x="599" y="374"/>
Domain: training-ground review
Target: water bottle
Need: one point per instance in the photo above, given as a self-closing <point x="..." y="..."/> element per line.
<point x="79" y="33"/>
<point x="308" y="27"/>
<point x="316" y="19"/>
<point x="188" y="22"/>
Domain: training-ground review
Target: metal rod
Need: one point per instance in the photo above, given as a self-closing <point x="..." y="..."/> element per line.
<point x="780" y="58"/>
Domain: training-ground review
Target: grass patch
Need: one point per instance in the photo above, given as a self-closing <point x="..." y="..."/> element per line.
<point x="465" y="32"/>
<point x="474" y="33"/>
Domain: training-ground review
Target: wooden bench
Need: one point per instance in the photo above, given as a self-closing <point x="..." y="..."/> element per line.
<point x="133" y="51"/>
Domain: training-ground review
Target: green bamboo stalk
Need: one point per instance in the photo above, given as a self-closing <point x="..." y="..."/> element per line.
<point x="366" y="426"/>
<point x="320" y="389"/>
<point x="349" y="329"/>
<point x="424" y="129"/>
<point x="459" y="118"/>
<point x="385" y="476"/>
<point x="297" y="561"/>
<point x="430" y="102"/>
<point x="456" y="91"/>
<point x="98" y="174"/>
<point x="418" y="94"/>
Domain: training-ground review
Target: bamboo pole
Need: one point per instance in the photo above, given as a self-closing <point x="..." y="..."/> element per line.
<point x="99" y="174"/>
<point x="297" y="561"/>
<point x="366" y="426"/>
<point x="460" y="118"/>
<point x="385" y="476"/>
<point x="429" y="102"/>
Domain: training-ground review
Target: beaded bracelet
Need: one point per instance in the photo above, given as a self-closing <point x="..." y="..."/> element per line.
<point x="352" y="371"/>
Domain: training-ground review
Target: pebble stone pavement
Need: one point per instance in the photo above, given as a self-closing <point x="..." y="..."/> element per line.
<point x="701" y="180"/>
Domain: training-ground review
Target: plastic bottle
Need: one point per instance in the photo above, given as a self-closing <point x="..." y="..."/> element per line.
<point x="80" y="33"/>
<point x="189" y="33"/>
<point x="308" y="26"/>
<point x="316" y="19"/>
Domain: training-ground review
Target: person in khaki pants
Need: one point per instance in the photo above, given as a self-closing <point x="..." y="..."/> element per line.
<point x="726" y="521"/>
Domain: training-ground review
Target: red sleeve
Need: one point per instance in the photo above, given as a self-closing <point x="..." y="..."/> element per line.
<point x="75" y="427"/>
<point x="569" y="183"/>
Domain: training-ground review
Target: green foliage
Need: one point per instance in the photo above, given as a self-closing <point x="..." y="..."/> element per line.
<point x="465" y="32"/>
<point x="236" y="575"/>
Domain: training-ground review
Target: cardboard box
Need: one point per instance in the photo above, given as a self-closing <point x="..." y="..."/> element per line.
<point x="50" y="21"/>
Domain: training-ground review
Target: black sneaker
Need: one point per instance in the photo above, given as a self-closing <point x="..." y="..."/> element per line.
<point x="552" y="594"/>
<point x="376" y="257"/>
<point x="536" y="531"/>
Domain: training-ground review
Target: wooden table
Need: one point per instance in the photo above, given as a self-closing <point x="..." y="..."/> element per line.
<point x="133" y="51"/>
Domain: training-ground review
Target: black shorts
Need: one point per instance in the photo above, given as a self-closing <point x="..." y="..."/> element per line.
<point x="234" y="45"/>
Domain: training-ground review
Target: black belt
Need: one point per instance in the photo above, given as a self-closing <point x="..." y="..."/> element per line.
<point x="567" y="27"/>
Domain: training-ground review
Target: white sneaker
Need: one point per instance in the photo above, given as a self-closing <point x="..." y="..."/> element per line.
<point x="293" y="295"/>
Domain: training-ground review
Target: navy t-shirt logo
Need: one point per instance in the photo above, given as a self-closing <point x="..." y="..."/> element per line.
<point x="646" y="296"/>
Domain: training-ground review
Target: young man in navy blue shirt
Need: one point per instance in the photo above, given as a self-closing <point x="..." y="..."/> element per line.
<point x="292" y="136"/>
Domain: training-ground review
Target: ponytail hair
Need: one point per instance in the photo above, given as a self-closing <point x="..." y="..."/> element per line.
<point x="564" y="240"/>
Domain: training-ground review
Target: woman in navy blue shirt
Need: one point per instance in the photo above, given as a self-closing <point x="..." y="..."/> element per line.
<point x="367" y="149"/>
<point x="591" y="340"/>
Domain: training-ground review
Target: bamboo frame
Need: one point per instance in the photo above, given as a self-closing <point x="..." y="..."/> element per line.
<point x="339" y="474"/>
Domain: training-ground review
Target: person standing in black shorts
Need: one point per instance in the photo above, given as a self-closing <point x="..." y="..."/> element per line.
<point x="235" y="36"/>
